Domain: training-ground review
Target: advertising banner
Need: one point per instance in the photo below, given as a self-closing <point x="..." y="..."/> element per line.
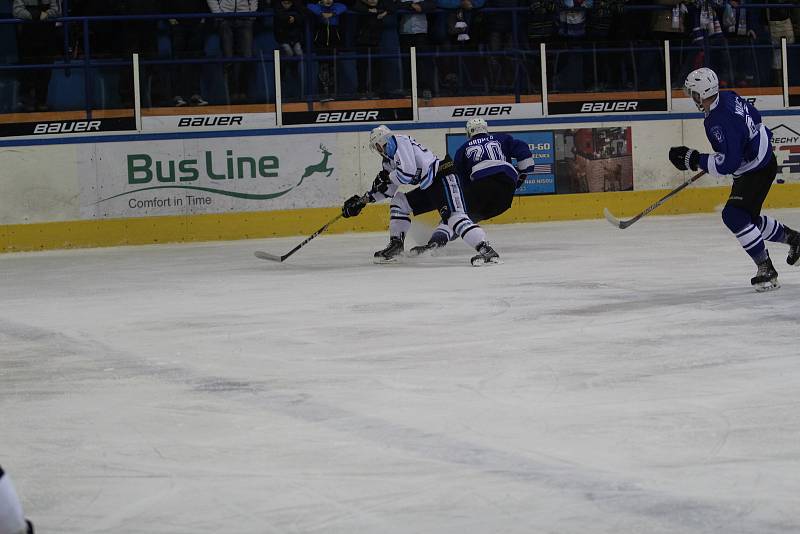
<point x="627" y="105"/>
<point x="177" y="177"/>
<point x="580" y="160"/>
<point x="67" y="127"/>
<point x="488" y="112"/>
<point x="786" y="143"/>
<point x="189" y="123"/>
<point x="347" y="117"/>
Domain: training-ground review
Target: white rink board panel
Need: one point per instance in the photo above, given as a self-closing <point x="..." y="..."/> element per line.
<point x="215" y="175"/>
<point x="192" y="176"/>
<point x="39" y="184"/>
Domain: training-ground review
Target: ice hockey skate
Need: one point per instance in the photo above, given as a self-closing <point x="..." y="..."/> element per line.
<point x="766" y="279"/>
<point x="793" y="239"/>
<point x="486" y="256"/>
<point x="392" y="252"/>
<point x="437" y="241"/>
<point x="423" y="249"/>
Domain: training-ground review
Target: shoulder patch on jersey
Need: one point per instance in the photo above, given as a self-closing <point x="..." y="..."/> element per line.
<point x="716" y="131"/>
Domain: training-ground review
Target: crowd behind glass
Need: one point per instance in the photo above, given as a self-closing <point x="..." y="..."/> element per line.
<point x="357" y="49"/>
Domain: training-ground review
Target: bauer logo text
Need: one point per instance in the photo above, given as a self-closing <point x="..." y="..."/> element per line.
<point x="594" y="107"/>
<point x="66" y="127"/>
<point x="482" y="111"/>
<point x="347" y="116"/>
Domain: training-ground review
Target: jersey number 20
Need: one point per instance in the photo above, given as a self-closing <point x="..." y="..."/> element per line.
<point x="488" y="150"/>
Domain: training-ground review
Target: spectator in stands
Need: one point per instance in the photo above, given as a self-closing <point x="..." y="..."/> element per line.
<point x="779" y="22"/>
<point x="571" y="24"/>
<point x="140" y="37"/>
<point x="103" y="36"/>
<point x="372" y="15"/>
<point x="459" y="21"/>
<point x="706" y="29"/>
<point x="540" y="28"/>
<point x="795" y="20"/>
<point x="541" y="24"/>
<point x="740" y="27"/>
<point x="289" y="25"/>
<point x="326" y="41"/>
<point x="236" y="34"/>
<point x="499" y="28"/>
<point x="414" y="32"/>
<point x="669" y="24"/>
<point x="37" y="40"/>
<point x="187" y="37"/>
<point x="606" y="66"/>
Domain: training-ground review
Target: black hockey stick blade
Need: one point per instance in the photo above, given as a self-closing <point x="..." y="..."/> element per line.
<point x="613" y="220"/>
<point x="267" y="256"/>
<point x="618" y="223"/>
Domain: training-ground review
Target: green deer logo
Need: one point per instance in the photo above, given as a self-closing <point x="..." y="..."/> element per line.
<point x="322" y="166"/>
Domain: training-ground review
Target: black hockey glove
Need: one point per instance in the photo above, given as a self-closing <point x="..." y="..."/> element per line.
<point x="381" y="183"/>
<point x="523" y="175"/>
<point x="353" y="206"/>
<point x="684" y="158"/>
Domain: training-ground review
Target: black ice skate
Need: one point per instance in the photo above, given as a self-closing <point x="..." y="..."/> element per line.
<point x="766" y="279"/>
<point x="392" y="252"/>
<point x="486" y="256"/>
<point x="423" y="249"/>
<point x="438" y="240"/>
<point x="793" y="239"/>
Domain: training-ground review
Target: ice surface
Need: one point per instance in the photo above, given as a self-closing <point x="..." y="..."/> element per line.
<point x="599" y="381"/>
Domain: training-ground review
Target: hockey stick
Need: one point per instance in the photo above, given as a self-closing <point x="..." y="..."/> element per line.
<point x="624" y="224"/>
<point x="272" y="257"/>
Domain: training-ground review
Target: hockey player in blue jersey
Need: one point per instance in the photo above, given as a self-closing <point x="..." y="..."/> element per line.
<point x="484" y="164"/>
<point x="742" y="148"/>
<point x="405" y="161"/>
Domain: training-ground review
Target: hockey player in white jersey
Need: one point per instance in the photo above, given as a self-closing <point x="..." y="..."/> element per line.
<point x="407" y="162"/>
<point x="12" y="520"/>
<point x="742" y="147"/>
<point x="484" y="163"/>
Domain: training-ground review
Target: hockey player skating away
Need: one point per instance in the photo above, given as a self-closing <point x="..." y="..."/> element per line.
<point x="743" y="148"/>
<point x="490" y="179"/>
<point x="12" y="520"/>
<point x="406" y="162"/>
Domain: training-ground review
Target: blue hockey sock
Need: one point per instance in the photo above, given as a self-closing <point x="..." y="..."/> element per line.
<point x="739" y="222"/>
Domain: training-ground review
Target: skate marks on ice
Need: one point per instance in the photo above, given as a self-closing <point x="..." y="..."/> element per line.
<point x="662" y="511"/>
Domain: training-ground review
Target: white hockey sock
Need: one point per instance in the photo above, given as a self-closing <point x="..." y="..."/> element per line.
<point x="469" y="231"/>
<point x="771" y="229"/>
<point x="11" y="516"/>
<point x="399" y="215"/>
<point x="752" y="242"/>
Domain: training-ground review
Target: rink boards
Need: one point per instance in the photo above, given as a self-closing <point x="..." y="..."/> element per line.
<point x="222" y="185"/>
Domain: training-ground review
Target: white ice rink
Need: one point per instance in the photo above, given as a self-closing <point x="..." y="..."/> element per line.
<point x="600" y="381"/>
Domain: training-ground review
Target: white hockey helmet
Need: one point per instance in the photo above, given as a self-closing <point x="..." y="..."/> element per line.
<point x="378" y="138"/>
<point x="701" y="84"/>
<point x="476" y="126"/>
